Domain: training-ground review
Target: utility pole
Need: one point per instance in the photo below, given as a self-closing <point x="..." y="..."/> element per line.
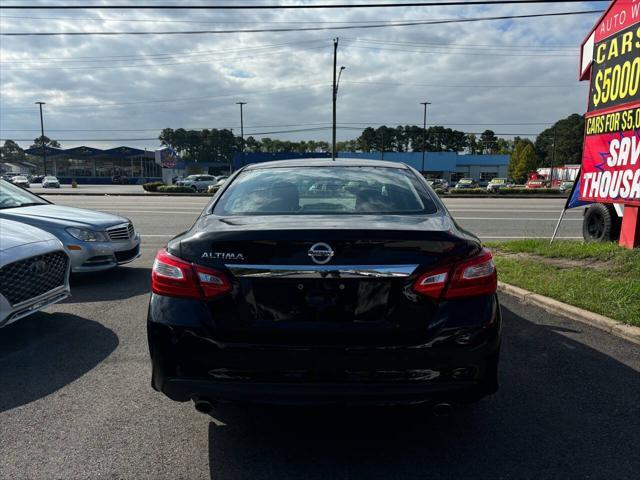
<point x="241" y="132"/>
<point x="336" y="84"/>
<point x="424" y="132"/>
<point x="44" y="148"/>
<point x="553" y="157"/>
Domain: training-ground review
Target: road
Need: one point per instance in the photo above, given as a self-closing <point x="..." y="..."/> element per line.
<point x="491" y="219"/>
<point x="75" y="399"/>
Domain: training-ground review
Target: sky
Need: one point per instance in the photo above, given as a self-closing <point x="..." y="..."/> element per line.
<point x="514" y="76"/>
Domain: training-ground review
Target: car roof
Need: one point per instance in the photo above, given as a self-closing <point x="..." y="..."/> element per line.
<point x="326" y="162"/>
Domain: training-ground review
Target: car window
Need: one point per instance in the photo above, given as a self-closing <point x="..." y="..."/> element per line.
<point x="324" y="190"/>
<point x="12" y="196"/>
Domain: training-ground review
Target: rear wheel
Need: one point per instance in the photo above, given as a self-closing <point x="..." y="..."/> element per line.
<point x="600" y="224"/>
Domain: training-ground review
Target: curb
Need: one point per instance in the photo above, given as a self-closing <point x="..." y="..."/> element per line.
<point x="601" y="322"/>
<point x="503" y="196"/>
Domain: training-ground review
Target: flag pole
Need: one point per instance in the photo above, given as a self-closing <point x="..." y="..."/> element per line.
<point x="555" y="232"/>
<point x="573" y="201"/>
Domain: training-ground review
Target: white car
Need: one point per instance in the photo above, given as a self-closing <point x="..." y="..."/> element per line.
<point x="34" y="271"/>
<point x="50" y="182"/>
<point x="21" y="181"/>
<point x="199" y="183"/>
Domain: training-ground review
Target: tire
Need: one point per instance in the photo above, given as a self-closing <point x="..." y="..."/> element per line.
<point x="601" y="224"/>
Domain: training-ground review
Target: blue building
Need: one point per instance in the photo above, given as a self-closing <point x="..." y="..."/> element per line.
<point x="448" y="165"/>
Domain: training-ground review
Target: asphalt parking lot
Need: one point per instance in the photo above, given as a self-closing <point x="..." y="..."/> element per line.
<point x="75" y="399"/>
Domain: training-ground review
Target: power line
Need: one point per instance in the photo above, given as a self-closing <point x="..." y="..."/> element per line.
<point x="155" y="55"/>
<point x="471" y="54"/>
<point x="446" y="85"/>
<point x="304" y="29"/>
<point x="222" y="22"/>
<point x="197" y="53"/>
<point x="464" y="45"/>
<point x="153" y="65"/>
<point x="159" y="129"/>
<point x="213" y="97"/>
<point x="168" y="100"/>
<point x="284" y="7"/>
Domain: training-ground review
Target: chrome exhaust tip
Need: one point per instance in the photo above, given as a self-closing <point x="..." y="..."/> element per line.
<point x="442" y="409"/>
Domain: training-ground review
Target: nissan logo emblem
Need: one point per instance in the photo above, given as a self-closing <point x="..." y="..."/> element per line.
<point x="39" y="267"/>
<point x="320" y="253"/>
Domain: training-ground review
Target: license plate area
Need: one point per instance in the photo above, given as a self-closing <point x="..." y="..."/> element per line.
<point x="330" y="300"/>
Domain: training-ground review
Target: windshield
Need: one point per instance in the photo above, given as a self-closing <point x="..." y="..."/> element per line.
<point x="498" y="180"/>
<point x="465" y="181"/>
<point x="12" y="196"/>
<point x="50" y="178"/>
<point x="322" y="190"/>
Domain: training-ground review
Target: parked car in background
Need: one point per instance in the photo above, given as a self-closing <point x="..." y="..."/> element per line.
<point x="50" y="182"/>
<point x="37" y="178"/>
<point x="21" y="181"/>
<point x="440" y="183"/>
<point x="34" y="271"/>
<point x="216" y="186"/>
<point x="199" y="183"/>
<point x="365" y="296"/>
<point x="566" y="187"/>
<point x="497" y="183"/>
<point x="94" y="240"/>
<point x="467" y="183"/>
<point x="120" y="180"/>
<point x="9" y="176"/>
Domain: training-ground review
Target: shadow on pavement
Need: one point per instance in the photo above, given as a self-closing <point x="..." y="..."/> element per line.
<point x="44" y="352"/>
<point x="564" y="410"/>
<point x="119" y="283"/>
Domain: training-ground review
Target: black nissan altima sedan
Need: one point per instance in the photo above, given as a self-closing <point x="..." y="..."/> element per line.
<point x="325" y="282"/>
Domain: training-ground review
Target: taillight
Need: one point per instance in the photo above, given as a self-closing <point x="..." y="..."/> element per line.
<point x="469" y="278"/>
<point x="174" y="277"/>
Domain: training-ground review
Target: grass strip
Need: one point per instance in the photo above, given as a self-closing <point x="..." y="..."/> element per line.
<point x="612" y="289"/>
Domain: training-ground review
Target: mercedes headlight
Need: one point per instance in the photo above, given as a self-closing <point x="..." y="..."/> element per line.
<point x="87" y="235"/>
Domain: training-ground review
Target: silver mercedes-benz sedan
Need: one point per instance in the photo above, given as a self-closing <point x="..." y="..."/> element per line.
<point x="93" y="240"/>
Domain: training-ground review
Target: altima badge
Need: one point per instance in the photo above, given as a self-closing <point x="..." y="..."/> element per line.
<point x="321" y="253"/>
<point x="224" y="256"/>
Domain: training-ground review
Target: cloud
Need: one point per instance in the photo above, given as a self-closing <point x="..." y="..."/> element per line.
<point x="122" y="88"/>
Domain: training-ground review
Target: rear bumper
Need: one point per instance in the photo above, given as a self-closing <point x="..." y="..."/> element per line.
<point x="327" y="393"/>
<point x="455" y="365"/>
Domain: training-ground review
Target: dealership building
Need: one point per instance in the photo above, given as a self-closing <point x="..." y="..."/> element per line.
<point x="92" y="165"/>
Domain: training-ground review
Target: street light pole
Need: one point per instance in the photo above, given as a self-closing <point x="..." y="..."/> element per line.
<point x="44" y="148"/>
<point x="334" y="91"/>
<point x="424" y="131"/>
<point x="241" y="131"/>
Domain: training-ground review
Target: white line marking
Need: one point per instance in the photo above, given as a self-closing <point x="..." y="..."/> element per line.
<point x="525" y="219"/>
<point x="526" y="238"/>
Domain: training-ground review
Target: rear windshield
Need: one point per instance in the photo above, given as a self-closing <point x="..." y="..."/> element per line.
<point x="325" y="190"/>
